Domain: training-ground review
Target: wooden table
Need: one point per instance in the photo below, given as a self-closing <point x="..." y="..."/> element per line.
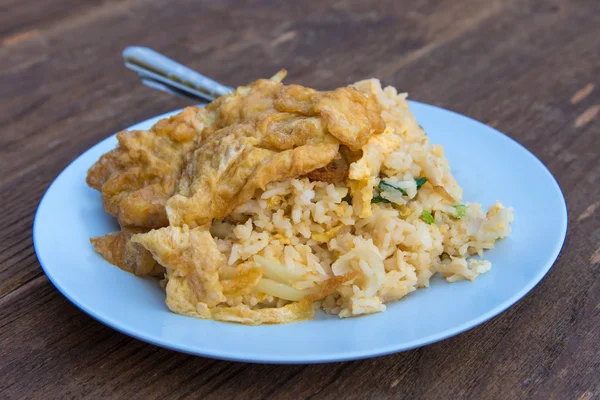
<point x="528" y="67"/>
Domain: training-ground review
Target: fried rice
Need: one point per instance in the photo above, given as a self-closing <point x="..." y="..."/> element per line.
<point x="302" y="233"/>
<point x="349" y="247"/>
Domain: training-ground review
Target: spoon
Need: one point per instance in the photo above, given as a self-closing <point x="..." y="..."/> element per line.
<point x="160" y="72"/>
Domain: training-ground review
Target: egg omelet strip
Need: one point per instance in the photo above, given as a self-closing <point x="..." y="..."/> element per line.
<point x="138" y="177"/>
<point x="268" y="132"/>
<point x="195" y="289"/>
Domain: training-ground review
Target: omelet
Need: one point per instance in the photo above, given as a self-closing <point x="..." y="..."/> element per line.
<point x="267" y="132"/>
<point x="138" y="177"/>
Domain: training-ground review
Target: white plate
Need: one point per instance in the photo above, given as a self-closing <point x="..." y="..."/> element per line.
<point x="487" y="164"/>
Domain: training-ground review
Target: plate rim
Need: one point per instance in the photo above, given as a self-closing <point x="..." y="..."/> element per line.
<point x="322" y="358"/>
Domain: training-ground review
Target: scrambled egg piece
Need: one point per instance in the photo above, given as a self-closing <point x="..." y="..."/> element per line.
<point x="374" y="152"/>
<point x="326" y="236"/>
<point x="363" y="172"/>
<point x="192" y="260"/>
<point x="362" y="194"/>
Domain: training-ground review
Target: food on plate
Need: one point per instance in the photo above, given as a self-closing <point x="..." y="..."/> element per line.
<point x="139" y="176"/>
<point x="263" y="133"/>
<point x="274" y="201"/>
<point x="118" y="249"/>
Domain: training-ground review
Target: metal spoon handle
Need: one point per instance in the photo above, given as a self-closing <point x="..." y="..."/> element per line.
<point x="177" y="78"/>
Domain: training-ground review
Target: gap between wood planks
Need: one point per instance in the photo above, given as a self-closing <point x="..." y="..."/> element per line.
<point x="38" y="280"/>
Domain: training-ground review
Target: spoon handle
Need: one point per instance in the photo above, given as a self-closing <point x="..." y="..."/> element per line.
<point x="155" y="67"/>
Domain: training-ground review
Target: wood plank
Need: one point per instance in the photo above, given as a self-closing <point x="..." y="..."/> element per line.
<point x="516" y="65"/>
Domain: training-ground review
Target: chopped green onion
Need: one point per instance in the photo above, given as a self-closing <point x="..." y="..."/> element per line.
<point x="420" y="182"/>
<point x="461" y="210"/>
<point x="383" y="185"/>
<point x="427" y="217"/>
<point x="379" y="199"/>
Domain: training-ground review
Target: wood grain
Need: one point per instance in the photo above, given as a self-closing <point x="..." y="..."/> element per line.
<point x="528" y="67"/>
